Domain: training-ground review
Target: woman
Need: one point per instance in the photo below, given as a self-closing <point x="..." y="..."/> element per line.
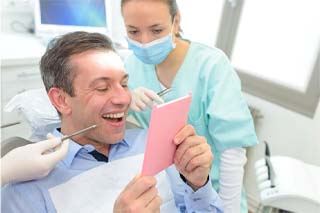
<point x="162" y="59"/>
<point x="32" y="161"/>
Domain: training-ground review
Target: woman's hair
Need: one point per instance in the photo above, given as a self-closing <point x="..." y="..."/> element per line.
<point x="173" y="9"/>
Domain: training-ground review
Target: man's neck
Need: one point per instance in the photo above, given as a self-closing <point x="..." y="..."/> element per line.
<point x="67" y="129"/>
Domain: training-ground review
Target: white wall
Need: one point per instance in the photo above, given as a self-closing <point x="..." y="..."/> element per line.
<point x="287" y="133"/>
<point x="16" y="15"/>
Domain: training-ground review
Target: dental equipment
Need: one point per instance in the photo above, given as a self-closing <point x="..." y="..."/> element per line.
<point x="165" y="91"/>
<point x="288" y="184"/>
<point x="79" y="132"/>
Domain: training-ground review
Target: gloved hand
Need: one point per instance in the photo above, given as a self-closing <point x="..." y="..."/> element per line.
<point x="32" y="161"/>
<point x="141" y="98"/>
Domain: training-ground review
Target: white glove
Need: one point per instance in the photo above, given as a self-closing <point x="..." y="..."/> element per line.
<point x="32" y="161"/>
<point x="141" y="98"/>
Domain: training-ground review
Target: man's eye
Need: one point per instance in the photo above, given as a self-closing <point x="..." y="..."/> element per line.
<point x="102" y="89"/>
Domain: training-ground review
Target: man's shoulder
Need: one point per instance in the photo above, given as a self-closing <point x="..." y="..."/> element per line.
<point x="33" y="195"/>
<point x="39" y="185"/>
<point x="19" y="190"/>
<point x="22" y="197"/>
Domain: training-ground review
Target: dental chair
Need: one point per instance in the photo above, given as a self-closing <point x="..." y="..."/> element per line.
<point x="288" y="184"/>
<point x="12" y="143"/>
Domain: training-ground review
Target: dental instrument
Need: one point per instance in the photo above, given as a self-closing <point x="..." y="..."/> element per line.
<point x="165" y="91"/>
<point x="79" y="132"/>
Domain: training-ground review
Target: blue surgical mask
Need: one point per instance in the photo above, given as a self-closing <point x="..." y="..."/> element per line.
<point x="154" y="52"/>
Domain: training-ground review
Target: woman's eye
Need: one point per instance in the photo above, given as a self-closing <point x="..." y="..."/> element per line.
<point x="133" y="32"/>
<point x="124" y="85"/>
<point x="157" y="31"/>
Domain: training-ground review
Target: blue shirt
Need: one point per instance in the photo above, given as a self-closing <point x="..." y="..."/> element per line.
<point x="33" y="196"/>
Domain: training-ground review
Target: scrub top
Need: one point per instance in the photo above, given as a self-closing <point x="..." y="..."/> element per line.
<point x="218" y="110"/>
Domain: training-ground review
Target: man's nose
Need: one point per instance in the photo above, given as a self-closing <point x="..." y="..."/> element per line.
<point x="121" y="96"/>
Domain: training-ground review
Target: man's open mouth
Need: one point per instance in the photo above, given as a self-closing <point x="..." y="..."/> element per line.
<point x="113" y="117"/>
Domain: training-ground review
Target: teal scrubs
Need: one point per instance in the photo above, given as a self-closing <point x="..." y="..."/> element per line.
<point x="218" y="110"/>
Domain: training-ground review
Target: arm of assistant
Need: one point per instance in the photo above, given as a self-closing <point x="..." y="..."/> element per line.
<point x="231" y="178"/>
<point x="230" y="128"/>
<point x="193" y="160"/>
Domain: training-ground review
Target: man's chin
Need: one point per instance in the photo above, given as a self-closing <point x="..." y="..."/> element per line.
<point x="115" y="138"/>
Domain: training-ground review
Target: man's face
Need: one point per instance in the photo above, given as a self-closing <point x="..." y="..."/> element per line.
<point x="101" y="97"/>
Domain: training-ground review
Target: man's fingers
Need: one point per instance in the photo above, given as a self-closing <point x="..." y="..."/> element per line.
<point x="203" y="160"/>
<point x="140" y="186"/>
<point x="131" y="183"/>
<point x="146" y="198"/>
<point x="191" y="153"/>
<point x="155" y="204"/>
<point x="185" y="132"/>
<point x="183" y="147"/>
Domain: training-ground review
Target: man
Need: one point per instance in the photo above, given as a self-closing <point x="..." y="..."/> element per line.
<point x="86" y="82"/>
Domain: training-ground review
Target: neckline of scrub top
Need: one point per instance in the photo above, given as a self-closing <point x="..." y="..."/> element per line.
<point x="181" y="71"/>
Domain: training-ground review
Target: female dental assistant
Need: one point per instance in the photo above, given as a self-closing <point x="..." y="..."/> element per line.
<point x="218" y="111"/>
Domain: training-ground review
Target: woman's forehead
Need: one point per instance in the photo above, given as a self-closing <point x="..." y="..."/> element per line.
<point x="146" y="11"/>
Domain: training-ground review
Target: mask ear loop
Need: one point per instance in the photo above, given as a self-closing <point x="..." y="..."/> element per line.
<point x="173" y="41"/>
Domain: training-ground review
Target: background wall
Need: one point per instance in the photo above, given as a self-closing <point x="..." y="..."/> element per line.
<point x="16" y="15"/>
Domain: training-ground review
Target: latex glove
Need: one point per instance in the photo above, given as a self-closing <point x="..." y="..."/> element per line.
<point x="32" y="161"/>
<point x="141" y="98"/>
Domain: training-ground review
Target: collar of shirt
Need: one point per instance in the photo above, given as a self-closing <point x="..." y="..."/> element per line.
<point x="74" y="148"/>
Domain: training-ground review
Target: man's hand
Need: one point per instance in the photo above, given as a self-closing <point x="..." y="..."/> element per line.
<point x="193" y="157"/>
<point x="140" y="195"/>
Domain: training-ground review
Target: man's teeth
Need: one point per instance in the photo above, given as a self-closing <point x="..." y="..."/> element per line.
<point x="116" y="115"/>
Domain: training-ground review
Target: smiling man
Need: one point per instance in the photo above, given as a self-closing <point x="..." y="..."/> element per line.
<point x="86" y="82"/>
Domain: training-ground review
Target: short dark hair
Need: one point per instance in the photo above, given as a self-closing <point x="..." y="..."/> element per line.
<point x="56" y="71"/>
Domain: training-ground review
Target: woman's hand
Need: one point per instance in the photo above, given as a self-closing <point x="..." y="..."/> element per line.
<point x="33" y="161"/>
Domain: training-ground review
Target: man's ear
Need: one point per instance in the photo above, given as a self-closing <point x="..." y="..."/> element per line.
<point x="59" y="99"/>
